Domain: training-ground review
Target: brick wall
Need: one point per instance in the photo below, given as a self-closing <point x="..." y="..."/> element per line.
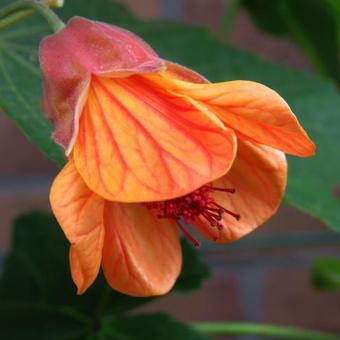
<point x="265" y="277"/>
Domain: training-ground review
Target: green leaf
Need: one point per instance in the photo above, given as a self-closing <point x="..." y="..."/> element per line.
<point x="335" y="7"/>
<point x="37" y="270"/>
<point x="149" y="326"/>
<point x="37" y="258"/>
<point x="37" y="293"/>
<point x="312" y="182"/>
<point x="312" y="24"/>
<point x="20" y="321"/>
<point x="326" y="274"/>
<point x="20" y="85"/>
<point x="39" y="323"/>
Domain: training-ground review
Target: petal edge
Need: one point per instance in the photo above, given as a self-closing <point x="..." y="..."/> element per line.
<point x="80" y="214"/>
<point x="254" y="111"/>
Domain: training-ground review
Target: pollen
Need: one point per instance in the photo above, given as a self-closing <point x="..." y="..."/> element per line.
<point x="199" y="203"/>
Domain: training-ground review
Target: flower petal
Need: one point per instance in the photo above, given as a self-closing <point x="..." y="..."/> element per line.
<point x="80" y="213"/>
<point x="69" y="57"/>
<point x="259" y="176"/>
<point x="254" y="111"/>
<point x="139" y="143"/>
<point x="142" y="253"/>
<point x="179" y="72"/>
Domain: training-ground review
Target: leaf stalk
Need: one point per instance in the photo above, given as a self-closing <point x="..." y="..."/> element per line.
<point x="20" y="10"/>
<point x="263" y="330"/>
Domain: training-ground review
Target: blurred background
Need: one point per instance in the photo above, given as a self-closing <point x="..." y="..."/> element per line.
<point x="264" y="277"/>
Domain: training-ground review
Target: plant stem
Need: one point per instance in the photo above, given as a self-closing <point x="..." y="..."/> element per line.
<point x="15" y="17"/>
<point x="22" y="9"/>
<point x="263" y="330"/>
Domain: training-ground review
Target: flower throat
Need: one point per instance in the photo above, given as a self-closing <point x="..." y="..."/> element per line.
<point x="199" y="203"/>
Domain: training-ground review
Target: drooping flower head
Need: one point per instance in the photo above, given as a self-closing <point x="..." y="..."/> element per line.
<point x="152" y="147"/>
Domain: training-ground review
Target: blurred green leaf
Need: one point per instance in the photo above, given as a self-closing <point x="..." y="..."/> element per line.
<point x="335" y="7"/>
<point x="146" y="327"/>
<point x="312" y="182"/>
<point x="39" y="257"/>
<point x="312" y="24"/>
<point x="23" y="321"/>
<point x="32" y="323"/>
<point x="326" y="274"/>
<point x="37" y="268"/>
<point x="20" y="85"/>
<point x="36" y="286"/>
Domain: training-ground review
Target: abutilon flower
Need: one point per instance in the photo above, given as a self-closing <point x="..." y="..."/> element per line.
<point x="153" y="146"/>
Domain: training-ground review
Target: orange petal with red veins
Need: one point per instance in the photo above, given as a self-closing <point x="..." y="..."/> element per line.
<point x="254" y="111"/>
<point x="259" y="175"/>
<point x="142" y="253"/>
<point x="80" y="213"/>
<point x="139" y="143"/>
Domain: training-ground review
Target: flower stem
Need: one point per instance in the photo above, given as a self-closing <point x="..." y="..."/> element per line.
<point x="22" y="9"/>
<point x="15" y="17"/>
<point x="263" y="330"/>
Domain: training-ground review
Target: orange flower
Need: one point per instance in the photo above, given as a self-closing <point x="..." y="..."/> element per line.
<point x="151" y="145"/>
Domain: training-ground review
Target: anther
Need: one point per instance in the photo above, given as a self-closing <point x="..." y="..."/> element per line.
<point x="236" y="216"/>
<point x="219" y="226"/>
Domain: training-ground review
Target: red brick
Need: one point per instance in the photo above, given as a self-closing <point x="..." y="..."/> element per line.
<point x="16" y="202"/>
<point x="218" y="300"/>
<point x="202" y="12"/>
<point x="290" y="299"/>
<point x="145" y="9"/>
<point x="19" y="157"/>
<point x="246" y="36"/>
<point x="290" y="220"/>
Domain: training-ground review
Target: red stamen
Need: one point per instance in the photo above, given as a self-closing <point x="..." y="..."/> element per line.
<point x="236" y="216"/>
<point x="229" y="190"/>
<point x="219" y="211"/>
<point x="194" y="242"/>
<point x="199" y="203"/>
<point x="210" y="219"/>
